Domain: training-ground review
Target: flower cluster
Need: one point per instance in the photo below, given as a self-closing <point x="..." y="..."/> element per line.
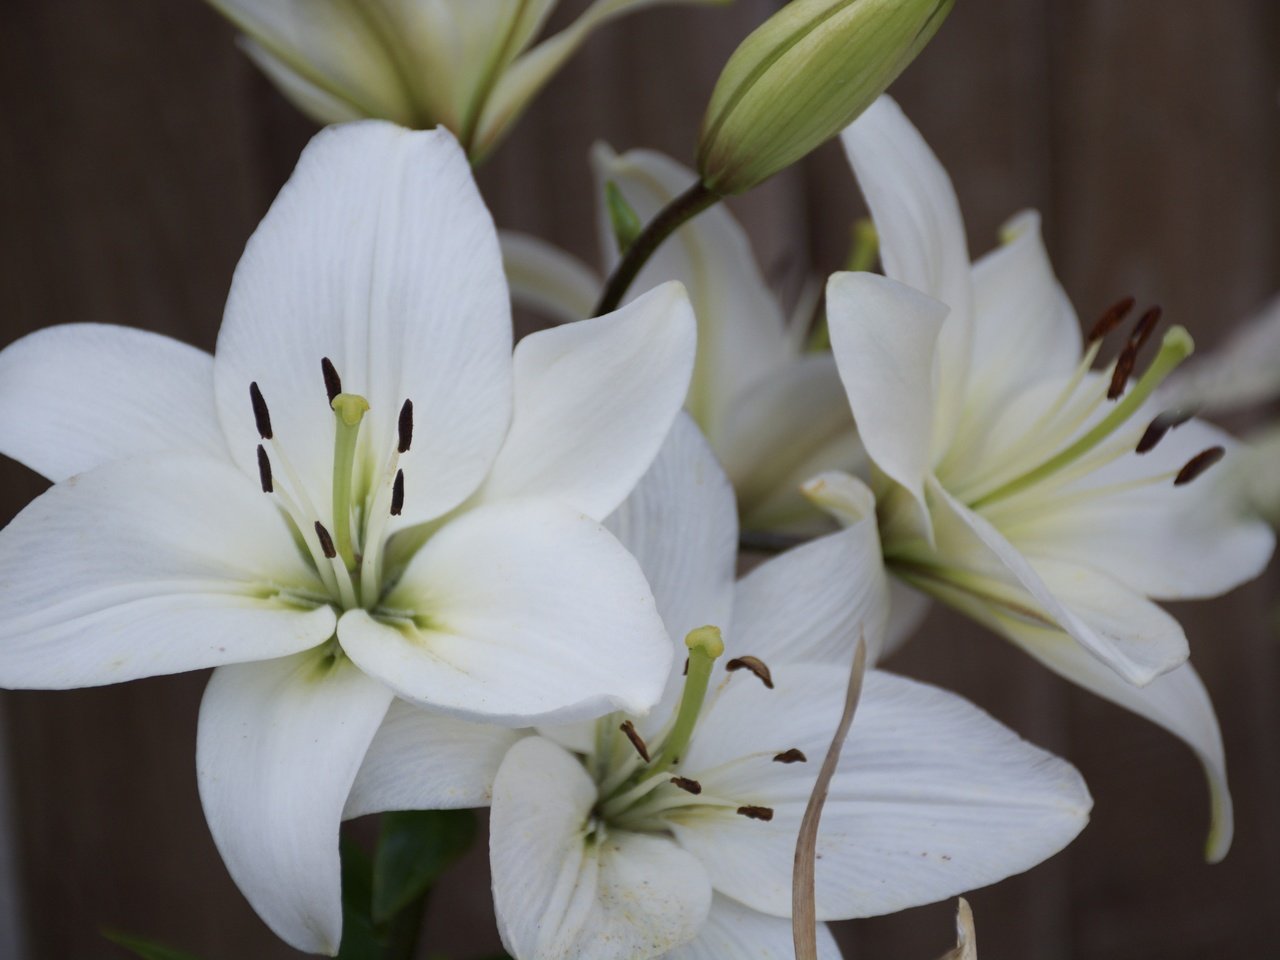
<point x="434" y="572"/>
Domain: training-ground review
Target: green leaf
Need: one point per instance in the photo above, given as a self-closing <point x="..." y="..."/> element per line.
<point x="359" y="938"/>
<point x="415" y="848"/>
<point x="622" y="217"/>
<point x="146" y="949"/>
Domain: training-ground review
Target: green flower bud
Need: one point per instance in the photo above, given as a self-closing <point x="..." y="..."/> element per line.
<point x="801" y="78"/>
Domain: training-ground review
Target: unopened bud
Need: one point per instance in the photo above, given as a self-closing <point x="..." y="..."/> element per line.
<point x="801" y="78"/>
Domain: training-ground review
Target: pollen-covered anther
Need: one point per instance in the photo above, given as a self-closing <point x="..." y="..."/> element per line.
<point x="687" y="785"/>
<point x="1198" y="464"/>
<point x="755" y="665"/>
<point x="790" y="756"/>
<point x="752" y="812"/>
<point x="637" y="741"/>
<point x="264" y="470"/>
<point x="326" y="541"/>
<point x="332" y="382"/>
<point x="261" y="415"/>
<point x="397" y="494"/>
<point x="405" y="427"/>
<point x="1128" y="358"/>
<point x="1111" y="318"/>
<point x="1161" y="425"/>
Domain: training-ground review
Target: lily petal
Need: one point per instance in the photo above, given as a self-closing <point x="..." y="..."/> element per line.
<point x="1119" y="627"/>
<point x="546" y="279"/>
<point x="151" y="566"/>
<point x="736" y="932"/>
<point x="518" y="613"/>
<point x="922" y="241"/>
<point x="594" y="401"/>
<point x="884" y="336"/>
<point x="932" y="797"/>
<point x="422" y="760"/>
<point x="81" y="395"/>
<point x="379" y="254"/>
<point x="562" y="891"/>
<point x="741" y="329"/>
<point x="278" y="746"/>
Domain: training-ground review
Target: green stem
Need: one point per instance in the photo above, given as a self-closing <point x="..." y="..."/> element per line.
<point x="669" y="219"/>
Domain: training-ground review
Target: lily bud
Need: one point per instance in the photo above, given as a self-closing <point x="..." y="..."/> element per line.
<point x="801" y="78"/>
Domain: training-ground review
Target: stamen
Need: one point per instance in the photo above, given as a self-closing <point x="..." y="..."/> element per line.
<point x="1128" y="358"/>
<point x="397" y="494"/>
<point x="755" y="665"/>
<point x="406" y="427"/>
<point x="637" y="741"/>
<point x="261" y="415"/>
<point x="1160" y="426"/>
<point x="1198" y="464"/>
<point x="326" y="541"/>
<point x="791" y="756"/>
<point x="1110" y="319"/>
<point x="687" y="785"/>
<point x="756" y="813"/>
<point x="332" y="382"/>
<point x="264" y="470"/>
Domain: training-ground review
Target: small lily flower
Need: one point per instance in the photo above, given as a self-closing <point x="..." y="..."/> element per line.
<point x="774" y="412"/>
<point x="674" y="834"/>
<point x="1045" y="499"/>
<point x="471" y="66"/>
<point x="363" y="495"/>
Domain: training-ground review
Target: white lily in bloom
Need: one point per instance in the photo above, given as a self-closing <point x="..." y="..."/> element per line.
<point x="429" y="529"/>
<point x="1047" y="500"/>
<point x="674" y="834"/>
<point x="469" y="65"/>
<point x="774" y="412"/>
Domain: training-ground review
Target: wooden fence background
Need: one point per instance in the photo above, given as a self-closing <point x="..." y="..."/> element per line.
<point x="139" y="149"/>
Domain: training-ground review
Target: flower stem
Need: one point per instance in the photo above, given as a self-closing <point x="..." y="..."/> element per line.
<point x="669" y="219"/>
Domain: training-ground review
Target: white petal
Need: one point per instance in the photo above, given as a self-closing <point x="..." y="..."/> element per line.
<point x="741" y="329"/>
<point x="781" y="431"/>
<point x="422" y="760"/>
<point x="560" y="891"/>
<point x="546" y="279"/>
<point x="922" y="241"/>
<point x="932" y="796"/>
<point x="884" y="336"/>
<point x="277" y="748"/>
<point x="1025" y="329"/>
<point x="81" y="395"/>
<point x="735" y="932"/>
<point x="907" y="610"/>
<point x="593" y="402"/>
<point x="146" y="567"/>
<point x="1160" y="540"/>
<point x="1119" y="627"/>
<point x="1243" y="372"/>
<point x="380" y="255"/>
<point x="518" y="613"/>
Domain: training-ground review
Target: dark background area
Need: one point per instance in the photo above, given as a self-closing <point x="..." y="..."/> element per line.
<point x="140" y="148"/>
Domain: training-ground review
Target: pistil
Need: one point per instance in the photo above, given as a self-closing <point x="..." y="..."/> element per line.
<point x="349" y="410"/>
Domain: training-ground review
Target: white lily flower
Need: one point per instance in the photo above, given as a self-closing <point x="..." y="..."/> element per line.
<point x="774" y="412"/>
<point x="597" y="852"/>
<point x="430" y="530"/>
<point x="1013" y="482"/>
<point x="469" y="65"/>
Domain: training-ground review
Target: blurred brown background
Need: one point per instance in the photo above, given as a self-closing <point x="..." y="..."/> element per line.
<point x="139" y="149"/>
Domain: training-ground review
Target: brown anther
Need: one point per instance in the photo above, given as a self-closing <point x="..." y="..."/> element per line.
<point x="757" y="813"/>
<point x="261" y="415"/>
<point x="1110" y="319"/>
<point x="406" y="427"/>
<point x="264" y="470"/>
<point x="326" y="541"/>
<point x="755" y="665"/>
<point x="332" y="382"/>
<point x="790" y="756"/>
<point x="1145" y="326"/>
<point x="687" y="785"/>
<point x="397" y="494"/>
<point x="685" y="671"/>
<point x="1161" y="425"/>
<point x="1128" y="358"/>
<point x="1198" y="464"/>
<point x="637" y="741"/>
